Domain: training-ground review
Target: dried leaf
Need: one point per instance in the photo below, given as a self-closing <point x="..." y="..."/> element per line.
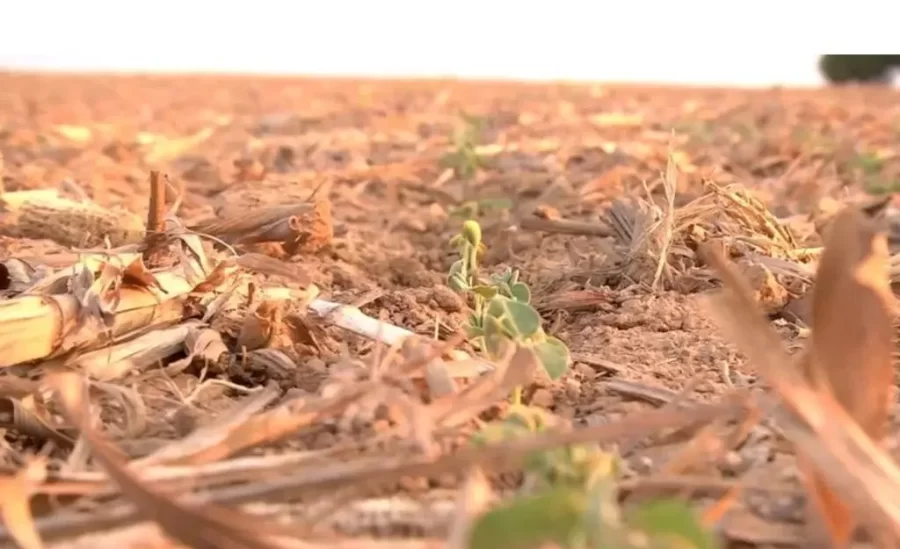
<point x="17" y="415"/>
<point x="15" y="507"/>
<point x="207" y="526"/>
<point x="264" y="264"/>
<point x="262" y="325"/>
<point x="852" y="340"/>
<point x="136" y="274"/>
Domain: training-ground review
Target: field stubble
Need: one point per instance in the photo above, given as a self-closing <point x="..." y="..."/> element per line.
<point x="247" y="351"/>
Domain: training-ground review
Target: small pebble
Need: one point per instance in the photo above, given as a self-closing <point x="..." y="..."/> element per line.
<point x="733" y="463"/>
<point x="447" y="299"/>
<point x="585" y="371"/>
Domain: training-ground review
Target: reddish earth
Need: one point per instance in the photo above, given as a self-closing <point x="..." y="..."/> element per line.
<point x="566" y="151"/>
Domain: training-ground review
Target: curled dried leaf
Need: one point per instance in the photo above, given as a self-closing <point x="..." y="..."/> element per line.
<point x="17" y="415"/>
<point x="262" y="325"/>
<point x="137" y="274"/>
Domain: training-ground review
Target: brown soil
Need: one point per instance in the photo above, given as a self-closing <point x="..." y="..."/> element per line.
<point x="551" y="150"/>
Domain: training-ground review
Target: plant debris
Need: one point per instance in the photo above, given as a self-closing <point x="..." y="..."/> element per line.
<point x="316" y="313"/>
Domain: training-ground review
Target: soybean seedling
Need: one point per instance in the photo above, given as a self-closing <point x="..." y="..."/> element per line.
<point x="501" y="310"/>
<point x="464" y="158"/>
<point x="572" y="499"/>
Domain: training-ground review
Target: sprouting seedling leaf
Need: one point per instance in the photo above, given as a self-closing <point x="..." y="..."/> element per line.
<point x="471" y="231"/>
<point x="495" y="336"/>
<point x="672" y="522"/>
<point x="529" y="522"/>
<point x="531" y="418"/>
<point x="499" y="432"/>
<point x="486" y="292"/>
<point x="554" y="356"/>
<point x="520" y="292"/>
<point x="519" y="319"/>
<point x="457" y="282"/>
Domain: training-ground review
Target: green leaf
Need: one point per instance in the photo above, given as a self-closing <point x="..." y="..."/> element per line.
<point x="457" y="282"/>
<point x="458" y="267"/>
<point x="474" y="332"/>
<point x="471" y="231"/>
<point x="520" y="319"/>
<point x="495" y="337"/>
<point x="603" y="518"/>
<point x="487" y="292"/>
<point x="554" y="356"/>
<point x="526" y="320"/>
<point x="531" y="418"/>
<point x="673" y="522"/>
<point x="503" y="288"/>
<point x="498" y="432"/>
<point x="520" y="292"/>
<point x="530" y="522"/>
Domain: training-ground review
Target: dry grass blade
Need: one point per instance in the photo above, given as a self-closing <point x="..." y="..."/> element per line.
<point x="15" y="495"/>
<point x="208" y="438"/>
<point x="667" y="223"/>
<point x="852" y="340"/>
<point x="516" y="370"/>
<point x="208" y="527"/>
<point x="299" y="478"/>
<point x="841" y="451"/>
<point x="134" y="355"/>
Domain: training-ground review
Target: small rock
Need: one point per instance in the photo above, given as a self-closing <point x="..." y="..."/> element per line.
<point x="585" y="372"/>
<point x="185" y="420"/>
<point x="447" y="299"/>
<point x="733" y="463"/>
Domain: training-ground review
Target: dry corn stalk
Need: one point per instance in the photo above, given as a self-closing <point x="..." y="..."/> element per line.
<point x="44" y="214"/>
<point x="37" y="327"/>
<point x="304" y="227"/>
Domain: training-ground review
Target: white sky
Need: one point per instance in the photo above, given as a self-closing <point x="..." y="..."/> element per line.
<point x="689" y="41"/>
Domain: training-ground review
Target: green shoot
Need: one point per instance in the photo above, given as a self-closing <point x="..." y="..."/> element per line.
<point x="502" y="313"/>
<point x="573" y="501"/>
<point x="464" y="158"/>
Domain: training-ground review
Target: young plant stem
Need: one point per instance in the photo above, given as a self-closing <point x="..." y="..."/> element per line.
<point x="517" y="396"/>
